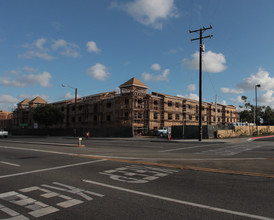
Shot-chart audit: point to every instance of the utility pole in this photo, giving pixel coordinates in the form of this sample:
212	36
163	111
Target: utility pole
201	31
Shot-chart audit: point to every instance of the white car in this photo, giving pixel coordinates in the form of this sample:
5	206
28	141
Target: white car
3	133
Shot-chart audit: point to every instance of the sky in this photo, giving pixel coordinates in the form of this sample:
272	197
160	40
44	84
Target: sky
97	45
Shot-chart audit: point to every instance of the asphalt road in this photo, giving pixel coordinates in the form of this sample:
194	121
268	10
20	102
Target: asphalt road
51	178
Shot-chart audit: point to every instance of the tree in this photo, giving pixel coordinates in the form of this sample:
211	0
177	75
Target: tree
48	115
247	115
268	116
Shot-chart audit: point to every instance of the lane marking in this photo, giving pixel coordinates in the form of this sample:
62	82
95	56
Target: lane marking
131	160
11	164
184	148
230	151
49	169
212	208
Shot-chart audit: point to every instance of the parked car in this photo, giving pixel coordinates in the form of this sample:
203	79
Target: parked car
163	132
3	133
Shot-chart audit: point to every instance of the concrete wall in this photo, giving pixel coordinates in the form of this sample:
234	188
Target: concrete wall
245	131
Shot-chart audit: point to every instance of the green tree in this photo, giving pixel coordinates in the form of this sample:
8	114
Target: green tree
48	115
268	116
247	115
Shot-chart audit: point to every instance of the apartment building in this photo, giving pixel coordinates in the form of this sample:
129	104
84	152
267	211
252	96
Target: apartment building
5	119
131	107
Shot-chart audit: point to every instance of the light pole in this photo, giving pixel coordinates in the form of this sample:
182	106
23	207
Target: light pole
75	105
256	113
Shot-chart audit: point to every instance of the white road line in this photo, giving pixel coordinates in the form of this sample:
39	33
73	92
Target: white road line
184	148
49	169
37	150
11	164
180	201
133	158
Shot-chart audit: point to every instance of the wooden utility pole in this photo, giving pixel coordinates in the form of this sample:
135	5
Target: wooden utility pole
201	31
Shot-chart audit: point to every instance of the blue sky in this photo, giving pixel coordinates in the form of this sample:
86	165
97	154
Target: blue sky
96	45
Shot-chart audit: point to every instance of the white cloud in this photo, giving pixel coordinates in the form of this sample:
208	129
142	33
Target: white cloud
155	67
189	96
212	62
192	96
92	47
37	49
151	13
43	79
238	99
66	48
8	99
98	71
267	98
232	91
68	95
191	87
29	69
161	77
32	54
224	102
40	43
8	102
262	77
12	72
13	83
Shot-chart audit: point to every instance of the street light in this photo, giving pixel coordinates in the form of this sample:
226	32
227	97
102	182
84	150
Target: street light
75	104
256	115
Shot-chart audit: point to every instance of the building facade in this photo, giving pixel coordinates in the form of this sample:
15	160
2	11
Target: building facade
131	107
5	120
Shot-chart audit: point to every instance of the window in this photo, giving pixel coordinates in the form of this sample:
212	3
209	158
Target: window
155	103
94	118
155	116
169	116
108	117
126	115
177	104
80	119
177	117
62	109
126	101
169	103
140	115
190	117
80	107
190	106
196	118
140	101
108	104
95	108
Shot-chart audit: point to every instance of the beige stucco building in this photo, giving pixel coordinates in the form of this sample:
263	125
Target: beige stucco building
131	107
